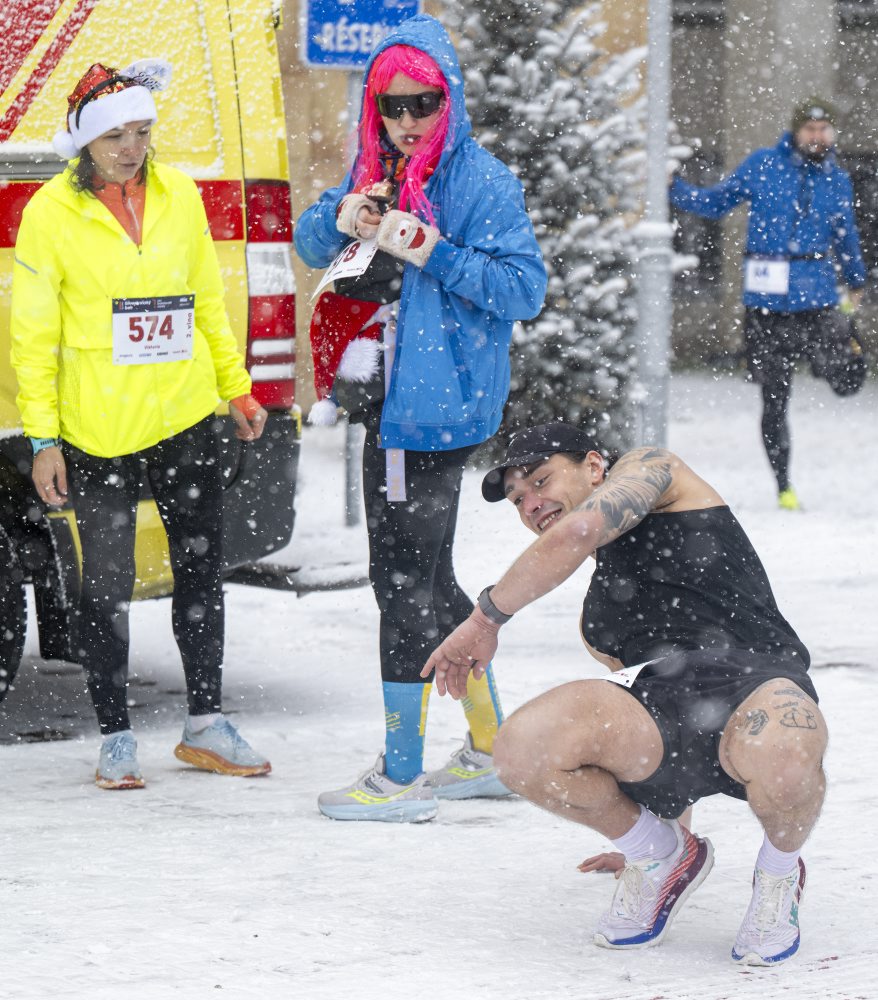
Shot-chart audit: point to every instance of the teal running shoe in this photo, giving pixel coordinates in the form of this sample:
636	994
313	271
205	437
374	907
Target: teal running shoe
220	748
117	766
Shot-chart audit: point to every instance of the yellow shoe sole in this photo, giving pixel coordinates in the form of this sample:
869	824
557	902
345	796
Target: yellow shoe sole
207	760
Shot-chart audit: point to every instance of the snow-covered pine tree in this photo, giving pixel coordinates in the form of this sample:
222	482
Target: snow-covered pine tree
567	120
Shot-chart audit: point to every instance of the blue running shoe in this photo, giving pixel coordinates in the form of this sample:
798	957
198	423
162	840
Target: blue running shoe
220	748
651	892
373	796
117	767
469	774
769	934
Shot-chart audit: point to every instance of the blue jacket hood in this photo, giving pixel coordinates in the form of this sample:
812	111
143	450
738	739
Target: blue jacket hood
427	34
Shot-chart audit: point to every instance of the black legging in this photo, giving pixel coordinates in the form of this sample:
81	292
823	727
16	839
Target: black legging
184	475
774	342
410	554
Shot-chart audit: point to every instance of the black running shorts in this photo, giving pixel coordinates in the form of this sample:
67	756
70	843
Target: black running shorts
692	695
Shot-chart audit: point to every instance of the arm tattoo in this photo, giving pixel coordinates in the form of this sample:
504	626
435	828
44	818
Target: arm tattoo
633	488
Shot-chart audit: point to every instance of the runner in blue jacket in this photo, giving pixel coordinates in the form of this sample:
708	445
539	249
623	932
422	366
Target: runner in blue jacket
443	260
801	230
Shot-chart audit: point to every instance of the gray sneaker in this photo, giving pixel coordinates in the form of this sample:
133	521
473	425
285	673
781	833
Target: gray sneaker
117	766
373	796
220	748
469	774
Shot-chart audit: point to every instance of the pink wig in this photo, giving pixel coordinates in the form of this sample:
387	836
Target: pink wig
416	65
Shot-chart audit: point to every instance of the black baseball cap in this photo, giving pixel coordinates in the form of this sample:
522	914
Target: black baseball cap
532	445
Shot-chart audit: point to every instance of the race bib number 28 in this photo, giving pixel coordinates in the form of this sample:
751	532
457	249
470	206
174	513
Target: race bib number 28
151	331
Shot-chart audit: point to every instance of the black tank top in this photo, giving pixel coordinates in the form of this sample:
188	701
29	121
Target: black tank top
689	580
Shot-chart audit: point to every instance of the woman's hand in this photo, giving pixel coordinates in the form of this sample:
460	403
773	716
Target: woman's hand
50	476
358	217
249	418
471	646
368	221
407	237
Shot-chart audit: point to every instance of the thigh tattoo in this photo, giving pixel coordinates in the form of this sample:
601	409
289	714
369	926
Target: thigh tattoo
796	713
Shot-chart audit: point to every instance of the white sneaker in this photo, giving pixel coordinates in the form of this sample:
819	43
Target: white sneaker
651	892
373	796
469	774
770	931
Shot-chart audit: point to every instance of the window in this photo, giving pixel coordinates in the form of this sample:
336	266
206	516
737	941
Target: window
698	11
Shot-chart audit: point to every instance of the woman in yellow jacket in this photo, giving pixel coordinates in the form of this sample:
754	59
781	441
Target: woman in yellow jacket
123	349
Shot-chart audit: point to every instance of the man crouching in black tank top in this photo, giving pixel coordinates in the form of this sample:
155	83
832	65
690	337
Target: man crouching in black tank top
709	690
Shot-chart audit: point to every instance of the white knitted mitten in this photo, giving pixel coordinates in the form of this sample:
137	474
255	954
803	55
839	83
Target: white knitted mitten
407	237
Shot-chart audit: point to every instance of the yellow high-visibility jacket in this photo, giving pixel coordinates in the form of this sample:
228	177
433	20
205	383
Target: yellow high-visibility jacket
72	258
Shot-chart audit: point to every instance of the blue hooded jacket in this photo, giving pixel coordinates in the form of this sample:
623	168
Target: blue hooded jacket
800	211
450	377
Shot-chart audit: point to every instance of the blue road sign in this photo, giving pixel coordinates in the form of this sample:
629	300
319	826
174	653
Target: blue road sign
340	34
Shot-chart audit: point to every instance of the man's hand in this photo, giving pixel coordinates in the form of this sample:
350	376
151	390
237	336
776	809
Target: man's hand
854	298
471	646
50	476
612	861
249	418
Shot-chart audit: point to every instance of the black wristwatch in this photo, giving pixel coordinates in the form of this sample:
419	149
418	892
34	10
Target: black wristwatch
490	610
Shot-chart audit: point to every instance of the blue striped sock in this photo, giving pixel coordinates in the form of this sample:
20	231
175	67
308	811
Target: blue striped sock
405	717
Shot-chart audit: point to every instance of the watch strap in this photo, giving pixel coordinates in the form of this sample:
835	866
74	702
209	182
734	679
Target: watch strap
39	443
490	610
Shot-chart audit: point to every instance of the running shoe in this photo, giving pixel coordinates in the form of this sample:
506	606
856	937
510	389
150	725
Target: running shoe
117	766
373	796
220	748
469	774
787	499
769	934
650	893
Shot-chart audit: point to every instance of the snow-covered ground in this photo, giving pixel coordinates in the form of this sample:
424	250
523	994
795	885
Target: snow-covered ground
202	886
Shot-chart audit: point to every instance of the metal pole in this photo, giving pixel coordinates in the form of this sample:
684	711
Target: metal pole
352	440
654	239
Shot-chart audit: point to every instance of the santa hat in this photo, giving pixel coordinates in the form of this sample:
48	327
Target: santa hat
345	342
106	98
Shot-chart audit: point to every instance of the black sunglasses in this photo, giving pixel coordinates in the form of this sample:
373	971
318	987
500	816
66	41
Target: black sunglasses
417	105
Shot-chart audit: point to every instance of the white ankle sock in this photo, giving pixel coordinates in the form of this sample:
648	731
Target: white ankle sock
775	862
650	837
117	733
199	722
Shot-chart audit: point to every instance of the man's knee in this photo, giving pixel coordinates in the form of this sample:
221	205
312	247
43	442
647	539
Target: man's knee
519	748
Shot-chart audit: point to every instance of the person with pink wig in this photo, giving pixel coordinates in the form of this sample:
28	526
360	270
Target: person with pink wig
435	259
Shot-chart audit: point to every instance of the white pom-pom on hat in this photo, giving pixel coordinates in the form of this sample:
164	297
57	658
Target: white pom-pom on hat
64	145
361	360
324	413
